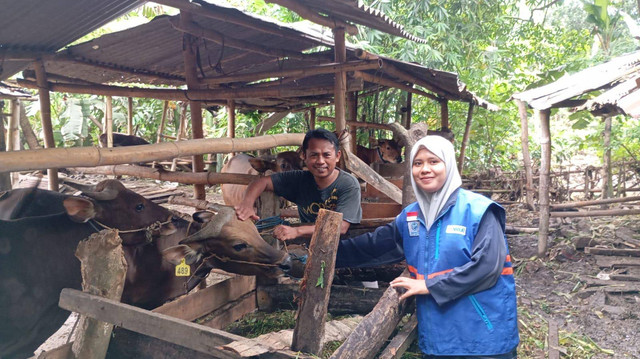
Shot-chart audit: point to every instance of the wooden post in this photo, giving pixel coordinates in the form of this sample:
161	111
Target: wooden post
108	120
340	89
182	124
375	328
316	284
45	116
130	116
545	179
13	138
103	273
163	119
444	114
465	138
231	122
27	131
526	156
353	116
607	189
5	177
191	75
312	118
407	118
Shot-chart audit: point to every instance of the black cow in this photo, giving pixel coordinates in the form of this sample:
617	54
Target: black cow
38	242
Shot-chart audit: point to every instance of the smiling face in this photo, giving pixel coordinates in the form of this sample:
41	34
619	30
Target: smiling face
429	172
321	159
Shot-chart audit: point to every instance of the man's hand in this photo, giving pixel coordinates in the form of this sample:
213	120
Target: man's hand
245	211
413	286
285	233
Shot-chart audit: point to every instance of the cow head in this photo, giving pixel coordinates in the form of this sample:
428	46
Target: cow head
232	245
284	161
111	205
389	151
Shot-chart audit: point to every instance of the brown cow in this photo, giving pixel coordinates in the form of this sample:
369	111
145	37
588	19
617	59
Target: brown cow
387	151
38	241
246	164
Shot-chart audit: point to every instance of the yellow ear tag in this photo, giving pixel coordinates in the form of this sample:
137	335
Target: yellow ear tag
182	269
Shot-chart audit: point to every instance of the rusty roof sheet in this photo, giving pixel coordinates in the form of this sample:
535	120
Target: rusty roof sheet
355	11
46	26
623	98
599	77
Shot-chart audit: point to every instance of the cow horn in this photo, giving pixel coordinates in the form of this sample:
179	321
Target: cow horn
213	228
79	186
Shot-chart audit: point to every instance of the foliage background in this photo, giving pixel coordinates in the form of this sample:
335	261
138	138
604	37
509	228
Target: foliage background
498	48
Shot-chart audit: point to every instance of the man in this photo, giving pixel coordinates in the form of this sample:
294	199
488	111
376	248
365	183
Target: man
321	186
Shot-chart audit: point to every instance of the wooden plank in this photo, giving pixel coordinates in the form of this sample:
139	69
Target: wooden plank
401	342
177	331
316	284
613	251
616	262
362	170
553	340
232	311
203	302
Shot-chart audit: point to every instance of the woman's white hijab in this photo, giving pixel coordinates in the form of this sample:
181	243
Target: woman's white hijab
432	203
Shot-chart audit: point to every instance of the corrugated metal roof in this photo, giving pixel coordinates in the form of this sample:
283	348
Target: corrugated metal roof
624	98
11	92
47	26
152	54
355	11
603	76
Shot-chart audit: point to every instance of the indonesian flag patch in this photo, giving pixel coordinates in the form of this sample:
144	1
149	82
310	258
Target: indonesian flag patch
412	216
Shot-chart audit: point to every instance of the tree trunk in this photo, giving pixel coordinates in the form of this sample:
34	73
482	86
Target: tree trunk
27	131
103	273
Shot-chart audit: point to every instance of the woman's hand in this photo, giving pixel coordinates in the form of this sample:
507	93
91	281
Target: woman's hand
413	286
285	233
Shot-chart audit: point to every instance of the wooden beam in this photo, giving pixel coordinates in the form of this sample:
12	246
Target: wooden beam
545	181
444	114
231	120
165	108
316	285
177	331
94	156
352	112
391	83
403	76
266	124
189	52
130	116
340	89
380	126
299	72
313	16
197	31
205	178
45	118
362	170
197	95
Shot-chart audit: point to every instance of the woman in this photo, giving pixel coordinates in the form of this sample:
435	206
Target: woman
457	256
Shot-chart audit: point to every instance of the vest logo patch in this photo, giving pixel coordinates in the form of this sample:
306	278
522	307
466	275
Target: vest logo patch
456	229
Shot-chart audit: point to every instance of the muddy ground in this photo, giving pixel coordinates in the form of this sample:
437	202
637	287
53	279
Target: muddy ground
591	323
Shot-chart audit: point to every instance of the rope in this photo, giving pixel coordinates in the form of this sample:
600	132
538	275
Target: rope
148	230
270	222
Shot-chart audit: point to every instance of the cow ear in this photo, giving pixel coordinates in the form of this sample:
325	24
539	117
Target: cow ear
261	165
203	216
175	254
168	229
79	209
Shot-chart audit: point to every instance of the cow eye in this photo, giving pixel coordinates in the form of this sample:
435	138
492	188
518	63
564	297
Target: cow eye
239	247
139	207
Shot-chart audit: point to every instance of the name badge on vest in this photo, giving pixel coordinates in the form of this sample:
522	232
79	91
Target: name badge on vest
413	224
456	229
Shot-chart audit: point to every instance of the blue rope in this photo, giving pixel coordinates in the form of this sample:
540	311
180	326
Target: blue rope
269	222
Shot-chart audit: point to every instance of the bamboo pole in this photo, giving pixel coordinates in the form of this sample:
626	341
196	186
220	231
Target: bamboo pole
13	134
108	120
165	108
311	15
526	156
130	116
94	156
352	107
594	202
543	192
299	72
45	117
465	137
340	91
204	178
191	75
444	114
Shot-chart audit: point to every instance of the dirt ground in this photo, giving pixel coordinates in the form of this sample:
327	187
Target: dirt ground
591	323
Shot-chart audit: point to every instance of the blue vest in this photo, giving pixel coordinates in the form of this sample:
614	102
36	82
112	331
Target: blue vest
483	323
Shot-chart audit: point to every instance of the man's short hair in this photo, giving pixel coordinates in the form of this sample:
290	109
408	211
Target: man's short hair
320	134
